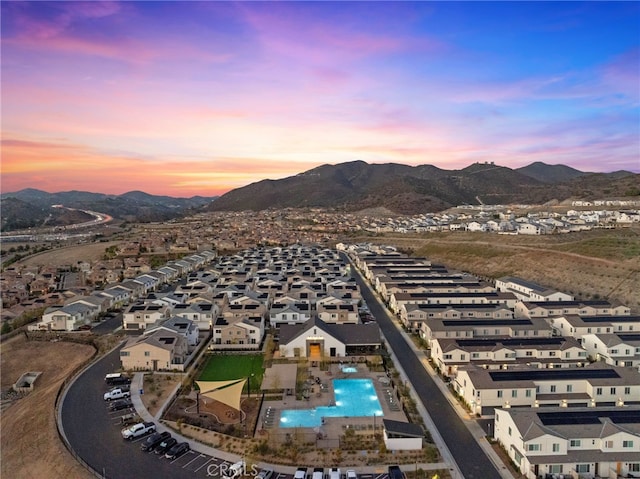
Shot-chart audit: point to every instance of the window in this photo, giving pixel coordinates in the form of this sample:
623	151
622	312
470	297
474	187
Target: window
627	443
509	430
555	447
463	357
608	444
634	467
582	468
575	443
475	355
499	393
529	353
553	388
627	390
598	391
533	447
447	356
527	393
613	390
514	393
555	469
569	388
147	353
124	353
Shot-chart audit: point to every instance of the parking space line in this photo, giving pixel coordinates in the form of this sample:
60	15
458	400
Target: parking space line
195	458
210	460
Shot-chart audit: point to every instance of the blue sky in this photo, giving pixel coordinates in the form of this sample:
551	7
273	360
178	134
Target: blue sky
187	98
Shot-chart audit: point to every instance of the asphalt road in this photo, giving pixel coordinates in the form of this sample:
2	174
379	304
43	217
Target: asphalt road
471	459
94	433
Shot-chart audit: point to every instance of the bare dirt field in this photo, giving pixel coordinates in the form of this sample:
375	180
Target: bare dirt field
590	265
30	444
69	254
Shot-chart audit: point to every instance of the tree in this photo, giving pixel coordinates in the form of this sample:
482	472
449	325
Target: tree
6	327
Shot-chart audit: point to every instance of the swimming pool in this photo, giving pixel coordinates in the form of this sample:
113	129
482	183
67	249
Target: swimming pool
353	398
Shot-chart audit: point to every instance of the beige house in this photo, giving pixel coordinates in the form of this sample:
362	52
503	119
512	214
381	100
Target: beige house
159	351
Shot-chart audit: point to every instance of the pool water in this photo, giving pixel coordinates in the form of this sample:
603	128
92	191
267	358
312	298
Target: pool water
353	398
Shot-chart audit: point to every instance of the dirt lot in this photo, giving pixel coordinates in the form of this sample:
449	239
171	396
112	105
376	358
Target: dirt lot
30	444
599	264
69	255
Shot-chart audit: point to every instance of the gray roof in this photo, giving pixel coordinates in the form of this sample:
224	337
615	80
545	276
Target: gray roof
348	334
399	428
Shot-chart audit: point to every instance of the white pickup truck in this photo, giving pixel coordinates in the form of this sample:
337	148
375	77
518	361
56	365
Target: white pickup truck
138	430
117	393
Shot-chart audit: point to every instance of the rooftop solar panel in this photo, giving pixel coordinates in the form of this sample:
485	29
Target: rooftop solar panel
610	319
552	374
592	416
629	337
511	342
486	322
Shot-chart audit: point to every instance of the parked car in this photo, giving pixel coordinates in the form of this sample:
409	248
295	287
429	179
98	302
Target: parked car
301	473
117	379
120	404
395	472
177	450
117	393
334	473
154	440
138	430
165	445
318	473
129	419
265	474
234	471
351	474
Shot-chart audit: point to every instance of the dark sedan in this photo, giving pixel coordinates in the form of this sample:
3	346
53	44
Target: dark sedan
154	441
177	450
165	445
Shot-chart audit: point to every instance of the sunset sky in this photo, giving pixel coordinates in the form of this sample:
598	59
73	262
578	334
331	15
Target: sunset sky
197	98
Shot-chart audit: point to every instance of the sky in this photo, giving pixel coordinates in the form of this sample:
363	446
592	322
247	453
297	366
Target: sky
187	98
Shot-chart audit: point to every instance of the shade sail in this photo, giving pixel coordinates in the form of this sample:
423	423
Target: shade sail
227	392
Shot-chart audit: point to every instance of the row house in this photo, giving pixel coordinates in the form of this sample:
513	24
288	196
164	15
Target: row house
289	313
180	325
160	350
140	316
397	300
616	349
577	326
71	317
596	384
462	286
436	328
530	291
237	334
201	314
575	443
383	283
546	309
413	316
448	354
338	313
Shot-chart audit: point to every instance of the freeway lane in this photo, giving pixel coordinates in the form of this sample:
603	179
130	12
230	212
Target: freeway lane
471	459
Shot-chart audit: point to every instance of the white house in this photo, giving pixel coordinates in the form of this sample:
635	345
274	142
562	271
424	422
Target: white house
402	436
140	316
572	443
616	349
596	384
182	326
316	340
530	291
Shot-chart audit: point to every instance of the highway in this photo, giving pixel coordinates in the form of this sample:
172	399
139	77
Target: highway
469	456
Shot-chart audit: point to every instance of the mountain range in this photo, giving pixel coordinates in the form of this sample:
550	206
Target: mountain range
350	186
33	208
406	189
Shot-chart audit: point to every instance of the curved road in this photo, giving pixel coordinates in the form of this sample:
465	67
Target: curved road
469	456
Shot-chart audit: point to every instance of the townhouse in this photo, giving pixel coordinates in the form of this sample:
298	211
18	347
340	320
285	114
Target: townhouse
547	309
530	291
596	384
160	350
415	316
139	316
501	353
619	349
577	326
574	443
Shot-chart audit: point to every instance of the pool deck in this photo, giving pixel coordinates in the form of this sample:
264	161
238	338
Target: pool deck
333	427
